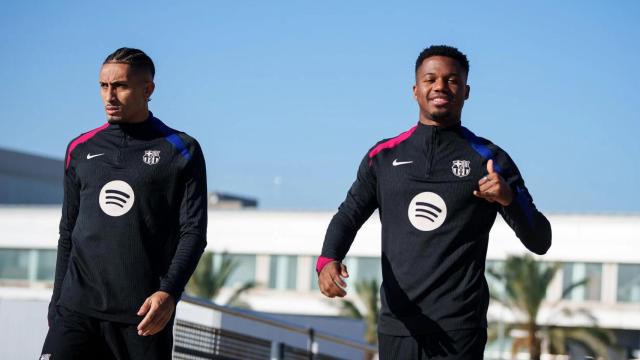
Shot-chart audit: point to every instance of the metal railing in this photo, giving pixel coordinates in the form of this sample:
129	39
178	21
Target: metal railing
196	341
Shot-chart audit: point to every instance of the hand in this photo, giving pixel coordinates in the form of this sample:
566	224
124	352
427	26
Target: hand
493	187
158	309
330	279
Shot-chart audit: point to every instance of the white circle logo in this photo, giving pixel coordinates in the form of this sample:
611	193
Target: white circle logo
116	198
427	211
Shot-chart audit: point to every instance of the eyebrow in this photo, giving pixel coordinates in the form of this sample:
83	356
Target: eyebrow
447	75
118	82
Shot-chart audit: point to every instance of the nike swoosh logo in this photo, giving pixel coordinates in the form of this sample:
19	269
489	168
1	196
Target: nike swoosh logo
396	162
89	156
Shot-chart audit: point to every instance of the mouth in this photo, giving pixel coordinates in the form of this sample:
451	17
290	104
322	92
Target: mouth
439	100
112	109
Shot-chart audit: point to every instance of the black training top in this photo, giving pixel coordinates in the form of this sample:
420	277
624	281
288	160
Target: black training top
435	232
134	218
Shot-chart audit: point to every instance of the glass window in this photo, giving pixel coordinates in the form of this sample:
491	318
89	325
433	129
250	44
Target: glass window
46	265
576	272
282	272
367	269
628	283
14	264
245	270
314	277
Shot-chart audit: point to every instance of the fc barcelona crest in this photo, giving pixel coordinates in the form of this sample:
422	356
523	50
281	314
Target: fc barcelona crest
151	157
461	168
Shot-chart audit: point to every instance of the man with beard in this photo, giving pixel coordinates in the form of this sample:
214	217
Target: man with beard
133	225
438	188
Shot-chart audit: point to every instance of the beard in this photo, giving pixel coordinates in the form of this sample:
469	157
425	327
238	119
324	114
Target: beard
442	115
114	119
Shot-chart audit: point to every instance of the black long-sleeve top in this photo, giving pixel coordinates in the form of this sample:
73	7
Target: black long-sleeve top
435	232
134	218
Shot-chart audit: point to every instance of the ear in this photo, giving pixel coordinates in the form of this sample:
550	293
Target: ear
467	92
148	88
415	97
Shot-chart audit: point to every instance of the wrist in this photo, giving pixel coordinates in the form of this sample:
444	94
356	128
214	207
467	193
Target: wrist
322	262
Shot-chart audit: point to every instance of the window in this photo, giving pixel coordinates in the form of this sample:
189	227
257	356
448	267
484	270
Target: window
367	269
314	277
46	265
245	270
628	283
360	269
14	264
282	272
575	272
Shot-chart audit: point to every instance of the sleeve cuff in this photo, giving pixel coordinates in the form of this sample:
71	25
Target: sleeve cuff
322	262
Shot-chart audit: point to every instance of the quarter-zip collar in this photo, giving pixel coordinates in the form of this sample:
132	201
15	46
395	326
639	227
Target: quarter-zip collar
142	130
428	137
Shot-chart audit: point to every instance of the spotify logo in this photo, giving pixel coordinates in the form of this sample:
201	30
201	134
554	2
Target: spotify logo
116	198
427	211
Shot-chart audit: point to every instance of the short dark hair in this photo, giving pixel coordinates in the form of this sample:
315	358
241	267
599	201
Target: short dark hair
443	50
133	57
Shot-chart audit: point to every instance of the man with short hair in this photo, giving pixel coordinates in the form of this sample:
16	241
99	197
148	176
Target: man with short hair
133	225
438	188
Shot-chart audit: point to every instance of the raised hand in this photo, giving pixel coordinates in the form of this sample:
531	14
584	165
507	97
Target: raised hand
493	187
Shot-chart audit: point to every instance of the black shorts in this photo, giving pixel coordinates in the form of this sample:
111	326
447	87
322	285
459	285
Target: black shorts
449	345
77	336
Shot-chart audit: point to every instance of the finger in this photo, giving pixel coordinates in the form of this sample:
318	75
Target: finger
158	324
490	169
144	324
154	324
486	185
145	307
495	183
336	290
343	271
338	281
480	195
484	195
491	190
331	289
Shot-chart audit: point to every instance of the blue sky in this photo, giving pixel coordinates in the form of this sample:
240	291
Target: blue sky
286	97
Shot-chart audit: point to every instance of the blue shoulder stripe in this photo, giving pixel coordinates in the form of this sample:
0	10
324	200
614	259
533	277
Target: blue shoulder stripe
171	136
487	154
480	148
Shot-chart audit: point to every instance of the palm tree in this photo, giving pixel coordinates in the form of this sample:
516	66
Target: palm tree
207	280
526	282
367	292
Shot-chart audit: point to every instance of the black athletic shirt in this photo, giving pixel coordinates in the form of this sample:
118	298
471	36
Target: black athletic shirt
134	218
435	232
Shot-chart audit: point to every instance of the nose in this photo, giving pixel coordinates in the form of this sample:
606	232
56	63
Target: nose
440	84
111	93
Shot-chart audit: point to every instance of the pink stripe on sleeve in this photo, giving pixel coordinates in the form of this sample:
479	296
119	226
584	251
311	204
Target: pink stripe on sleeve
322	262
83	138
391	143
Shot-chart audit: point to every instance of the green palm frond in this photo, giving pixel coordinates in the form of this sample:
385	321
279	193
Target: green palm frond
526	282
208	279
367	292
